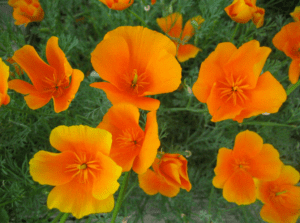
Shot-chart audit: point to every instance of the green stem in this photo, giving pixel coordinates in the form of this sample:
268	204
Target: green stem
55	220
183	109
139	18
64	218
235	30
268	124
120	197
292	88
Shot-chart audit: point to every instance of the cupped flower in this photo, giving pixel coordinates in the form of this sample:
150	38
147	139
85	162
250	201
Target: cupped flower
117	4
26	11
237	168
84	176
131	147
136	62
48	81
296	14
230	83
288	41
241	11
4	74
172	26
169	174
281	197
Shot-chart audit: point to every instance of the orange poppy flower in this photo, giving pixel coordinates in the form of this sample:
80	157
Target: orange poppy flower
169	175
242	11
4	73
136	62
131	147
84	176
280	197
153	2
296	14
230	83
288	41
49	81
172	25
236	168
26	11
117	4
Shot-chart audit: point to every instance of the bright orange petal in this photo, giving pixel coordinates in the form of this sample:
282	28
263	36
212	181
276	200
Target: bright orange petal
211	70
115	96
62	102
4	74
188	30
171	24
186	52
240	188
122	4
278	214
153	2
81	139
57	59
267	96
296	14
106	182
266	165
294	71
51	168
239	11
247	144
21	86
150	145
35	101
77	198
224	168
291	199
33	65
288	175
168	190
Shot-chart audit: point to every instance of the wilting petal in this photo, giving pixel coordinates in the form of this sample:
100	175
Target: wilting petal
248	144
171	24
294	71
77	198
81	139
266	165
188	30
33	65
150	145
224	168
258	17
240	188
51	168
57	59
115	96
211	70
108	173
239	11
186	52
62	102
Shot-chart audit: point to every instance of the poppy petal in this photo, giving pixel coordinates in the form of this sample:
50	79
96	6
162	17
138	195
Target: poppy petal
291	199
122	4
288	175
247	144
51	168
188	30
77	198
258	17
266	165
186	52
26	57
278	213
115	96
171	24
85	138
62	102
240	188
150	145
224	168
294	71
149	182
296	14
21	86
35	101
239	11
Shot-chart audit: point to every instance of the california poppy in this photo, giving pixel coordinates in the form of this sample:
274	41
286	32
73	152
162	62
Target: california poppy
4	74
237	168
296	14
153	2
136	62
117	4
26	11
288	41
242	11
84	176
230	83
172	25
168	176
131	147
49	81
281	197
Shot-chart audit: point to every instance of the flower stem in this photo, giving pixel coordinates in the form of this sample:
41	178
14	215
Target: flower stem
64	218
55	220
292	88
121	196
139	18
233	35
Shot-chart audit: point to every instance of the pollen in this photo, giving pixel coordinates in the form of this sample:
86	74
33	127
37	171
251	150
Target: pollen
136	81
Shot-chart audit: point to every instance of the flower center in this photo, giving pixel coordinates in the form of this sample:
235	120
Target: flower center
83	168
241	165
131	138
234	89
136	82
55	86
